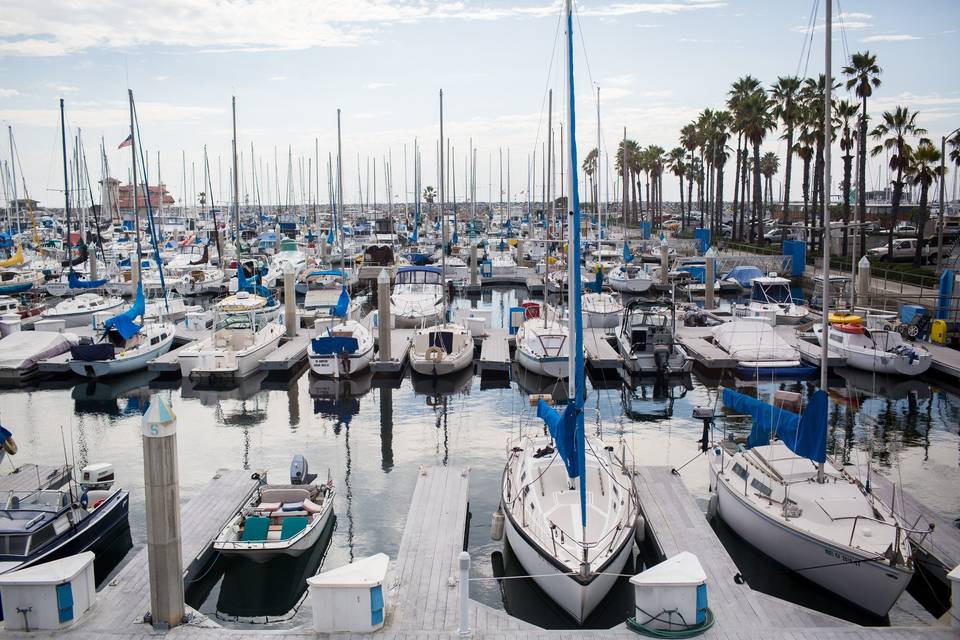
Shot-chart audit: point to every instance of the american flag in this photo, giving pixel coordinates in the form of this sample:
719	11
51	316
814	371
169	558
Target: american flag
127	142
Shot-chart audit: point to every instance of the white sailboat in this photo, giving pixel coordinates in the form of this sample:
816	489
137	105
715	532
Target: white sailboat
569	506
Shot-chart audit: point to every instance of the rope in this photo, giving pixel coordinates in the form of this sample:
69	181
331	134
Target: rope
689	631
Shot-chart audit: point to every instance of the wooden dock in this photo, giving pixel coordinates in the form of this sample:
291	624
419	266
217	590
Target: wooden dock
495	354
169	362
30	477
56	364
287	356
400	340
945	359
705	353
122	603
599	353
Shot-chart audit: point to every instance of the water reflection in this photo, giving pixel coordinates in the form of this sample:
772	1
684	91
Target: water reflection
103	396
653	399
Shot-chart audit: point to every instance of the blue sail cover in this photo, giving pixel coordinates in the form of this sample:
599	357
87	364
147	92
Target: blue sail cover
805	435
123	323
331	345
343	303
76	283
563	430
597	285
627	254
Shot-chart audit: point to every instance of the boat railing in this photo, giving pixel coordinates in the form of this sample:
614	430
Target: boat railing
900	529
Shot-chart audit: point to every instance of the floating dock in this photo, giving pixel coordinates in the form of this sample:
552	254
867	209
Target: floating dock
494	354
599	353
696	340
400	341
287	356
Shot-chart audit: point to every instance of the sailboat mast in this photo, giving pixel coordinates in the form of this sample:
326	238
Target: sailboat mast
443	222
66	183
340	188
236	179
135	264
546	275
827	131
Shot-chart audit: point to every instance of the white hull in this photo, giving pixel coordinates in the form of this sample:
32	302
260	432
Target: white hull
644	363
332	366
104	368
602	319
212	363
450	363
630	285
550	367
871	585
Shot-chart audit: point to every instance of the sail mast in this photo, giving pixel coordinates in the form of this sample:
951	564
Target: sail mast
443	222
236	179
827	131
66	183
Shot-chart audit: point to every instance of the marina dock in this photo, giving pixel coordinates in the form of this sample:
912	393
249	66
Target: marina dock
400	340
494	353
600	354
706	354
287	356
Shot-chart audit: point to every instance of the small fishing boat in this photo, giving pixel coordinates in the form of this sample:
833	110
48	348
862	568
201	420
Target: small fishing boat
875	346
124	347
282	519
759	350
79	310
647	342
771	295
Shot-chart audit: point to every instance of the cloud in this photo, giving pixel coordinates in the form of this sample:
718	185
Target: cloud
277	78
891	37
847	21
620	80
62	88
106	114
62	27
373	86
161	78
8	93
914	100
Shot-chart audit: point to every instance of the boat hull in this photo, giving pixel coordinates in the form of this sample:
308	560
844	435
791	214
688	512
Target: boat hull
550	367
873	586
451	363
333	366
267	551
105	368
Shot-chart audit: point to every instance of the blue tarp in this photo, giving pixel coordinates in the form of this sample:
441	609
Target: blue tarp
563	430
797	250
329	345
597	285
123	323
76	283
945	297
698	273
627	254
343	303
243	284
805	435
744	275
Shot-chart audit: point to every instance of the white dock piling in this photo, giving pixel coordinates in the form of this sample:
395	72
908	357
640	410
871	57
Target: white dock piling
463	587
708	280
162	493
664	262
474	272
383	310
863	278
92	263
289	303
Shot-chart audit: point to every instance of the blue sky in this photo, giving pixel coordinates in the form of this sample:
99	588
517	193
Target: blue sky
291	64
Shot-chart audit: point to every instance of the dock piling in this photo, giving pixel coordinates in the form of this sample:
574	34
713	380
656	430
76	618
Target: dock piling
708	279
463	586
664	262
383	318
289	303
162	496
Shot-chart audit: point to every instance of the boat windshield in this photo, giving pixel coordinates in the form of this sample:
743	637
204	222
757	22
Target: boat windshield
775	292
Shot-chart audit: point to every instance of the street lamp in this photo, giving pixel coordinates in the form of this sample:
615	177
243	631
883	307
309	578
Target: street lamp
943	170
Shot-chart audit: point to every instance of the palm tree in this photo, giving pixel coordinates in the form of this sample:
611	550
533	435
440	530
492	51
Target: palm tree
694	176
863	75
892	133
769	166
631	150
923	170
688	140
844	115
785	109
704	133
742	88
954	156
589	166
756	121
677	166
655	158
812	92
804	148
720	134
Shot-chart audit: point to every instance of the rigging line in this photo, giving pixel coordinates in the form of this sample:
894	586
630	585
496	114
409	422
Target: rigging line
806	35
546	88
843	32
812	31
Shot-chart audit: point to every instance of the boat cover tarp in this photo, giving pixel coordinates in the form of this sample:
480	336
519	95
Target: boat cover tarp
123	323
244	284
343	304
93	352
627	254
23	349
805	435
749	340
563	429
744	275
329	345
14	260
76	283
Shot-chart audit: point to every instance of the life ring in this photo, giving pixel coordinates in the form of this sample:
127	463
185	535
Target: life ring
531	310
10	446
849	328
434	354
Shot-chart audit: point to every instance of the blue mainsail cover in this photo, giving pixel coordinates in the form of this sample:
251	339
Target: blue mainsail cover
76	283
597	285
343	303
805	435
627	254
123	323
329	345
563	430
244	284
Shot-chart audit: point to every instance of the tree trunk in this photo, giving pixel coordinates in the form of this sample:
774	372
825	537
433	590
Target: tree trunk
633	189
921	223
682	225
736	185
788	167
897	194
744	179
862	177
756	190
719	207
847	171
689	199
817	212
806	200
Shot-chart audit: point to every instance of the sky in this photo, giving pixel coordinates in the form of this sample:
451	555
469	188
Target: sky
292	64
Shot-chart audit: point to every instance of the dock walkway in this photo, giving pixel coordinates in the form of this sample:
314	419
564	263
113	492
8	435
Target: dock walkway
287	356
599	353
708	355
494	353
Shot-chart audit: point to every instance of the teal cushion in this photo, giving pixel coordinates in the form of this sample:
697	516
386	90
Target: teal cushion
255	529
292	525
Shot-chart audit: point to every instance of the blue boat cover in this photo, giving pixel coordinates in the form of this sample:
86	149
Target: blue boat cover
76	283
805	435
343	303
329	345
744	275
945	296
697	273
597	285
123	323
563	430
627	254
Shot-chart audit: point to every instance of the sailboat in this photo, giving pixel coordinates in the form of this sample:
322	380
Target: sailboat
784	496
125	346
569	508
444	348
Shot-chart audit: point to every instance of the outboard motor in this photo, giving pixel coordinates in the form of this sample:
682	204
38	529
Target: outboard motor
299	471
97	477
661	357
707	415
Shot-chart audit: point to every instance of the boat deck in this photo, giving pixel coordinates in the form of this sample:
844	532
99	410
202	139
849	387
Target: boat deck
168	362
29	476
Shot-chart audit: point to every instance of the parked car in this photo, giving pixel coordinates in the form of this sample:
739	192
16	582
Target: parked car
905	230
905	249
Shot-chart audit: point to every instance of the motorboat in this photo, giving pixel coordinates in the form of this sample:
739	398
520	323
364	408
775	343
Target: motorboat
323	289
341	351
629	278
290	257
788	500
285	519
243	334
441	349
647	342
79	310
771	296
13	282
602	310
22	351
124	346
200	279
758	349
875	346
502	262
49	524
543	346
417	298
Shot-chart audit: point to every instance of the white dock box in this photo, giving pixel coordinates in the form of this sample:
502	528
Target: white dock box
677	584
48	596
350	598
